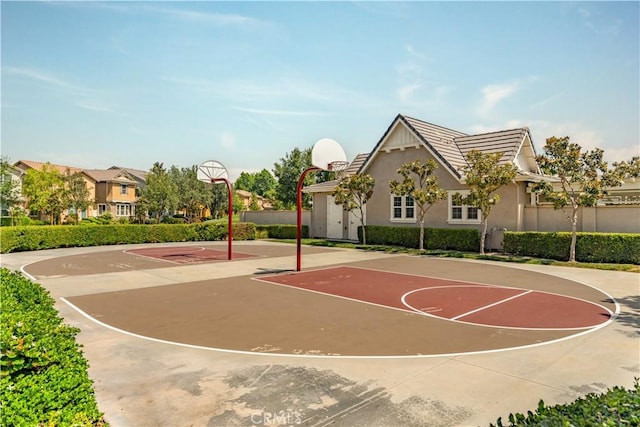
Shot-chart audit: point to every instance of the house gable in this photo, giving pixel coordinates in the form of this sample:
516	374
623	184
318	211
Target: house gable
406	132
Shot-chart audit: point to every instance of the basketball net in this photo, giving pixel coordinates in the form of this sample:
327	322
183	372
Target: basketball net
339	167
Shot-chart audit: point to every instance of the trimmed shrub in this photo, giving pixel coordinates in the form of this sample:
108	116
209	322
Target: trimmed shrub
616	407
32	238
617	248
43	373
461	239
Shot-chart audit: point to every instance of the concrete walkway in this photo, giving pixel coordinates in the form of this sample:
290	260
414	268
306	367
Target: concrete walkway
140	382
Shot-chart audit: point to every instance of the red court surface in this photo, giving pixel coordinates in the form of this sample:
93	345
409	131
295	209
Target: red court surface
188	254
468	302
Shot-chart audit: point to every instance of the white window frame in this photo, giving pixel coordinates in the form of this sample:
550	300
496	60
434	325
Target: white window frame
124	209
465	209
124	189
102	208
403	209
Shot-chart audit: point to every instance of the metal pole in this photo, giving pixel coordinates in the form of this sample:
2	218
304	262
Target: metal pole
230	213
299	230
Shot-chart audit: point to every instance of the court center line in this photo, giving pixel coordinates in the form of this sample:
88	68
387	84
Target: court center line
491	305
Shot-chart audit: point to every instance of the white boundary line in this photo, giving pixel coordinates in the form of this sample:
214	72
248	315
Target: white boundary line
492	305
316	356
416	356
463	284
612	315
264	280
127	251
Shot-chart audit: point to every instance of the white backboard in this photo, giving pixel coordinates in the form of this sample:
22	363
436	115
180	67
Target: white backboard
210	170
325	152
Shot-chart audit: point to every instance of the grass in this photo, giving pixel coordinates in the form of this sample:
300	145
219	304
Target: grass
633	268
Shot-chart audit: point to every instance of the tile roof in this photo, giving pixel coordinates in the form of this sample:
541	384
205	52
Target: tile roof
451	146
39	165
440	140
135	172
356	164
506	142
115	175
328	186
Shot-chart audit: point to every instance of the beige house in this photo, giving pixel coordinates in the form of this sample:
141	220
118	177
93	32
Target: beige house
24	165
408	139
111	190
115	191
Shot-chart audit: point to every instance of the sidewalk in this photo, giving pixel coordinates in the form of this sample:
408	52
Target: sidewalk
139	382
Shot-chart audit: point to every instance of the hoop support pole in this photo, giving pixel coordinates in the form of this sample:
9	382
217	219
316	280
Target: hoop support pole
299	206
229	214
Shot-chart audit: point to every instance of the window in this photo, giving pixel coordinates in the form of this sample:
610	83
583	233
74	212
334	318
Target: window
402	209
102	208
462	214
124	189
123	209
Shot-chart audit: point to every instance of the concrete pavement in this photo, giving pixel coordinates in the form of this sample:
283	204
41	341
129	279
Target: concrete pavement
140	382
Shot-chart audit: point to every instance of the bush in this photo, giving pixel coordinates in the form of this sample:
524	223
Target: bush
616	407
618	248
16	239
280	231
43	374
461	239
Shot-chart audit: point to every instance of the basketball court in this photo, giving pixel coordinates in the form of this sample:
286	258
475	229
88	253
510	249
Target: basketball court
397	306
177	334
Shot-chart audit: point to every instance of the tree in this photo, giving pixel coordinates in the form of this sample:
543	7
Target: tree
422	186
77	195
160	196
629	169
246	181
352	193
264	183
9	188
287	173
261	183
484	175
45	191
583	178
192	194
253	202
218	203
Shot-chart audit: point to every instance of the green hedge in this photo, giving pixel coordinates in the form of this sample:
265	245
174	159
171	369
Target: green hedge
616	407
460	239
617	248
43	373
32	238
280	231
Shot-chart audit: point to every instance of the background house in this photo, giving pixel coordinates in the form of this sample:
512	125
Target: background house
111	190
408	139
115	191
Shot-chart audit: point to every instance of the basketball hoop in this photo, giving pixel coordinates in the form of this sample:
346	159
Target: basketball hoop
213	172
339	167
327	155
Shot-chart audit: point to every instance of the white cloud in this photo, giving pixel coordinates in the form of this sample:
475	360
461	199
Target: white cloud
406	92
411	51
218	19
494	93
228	141
43	77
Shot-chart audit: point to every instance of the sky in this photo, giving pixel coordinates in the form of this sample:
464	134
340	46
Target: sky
98	84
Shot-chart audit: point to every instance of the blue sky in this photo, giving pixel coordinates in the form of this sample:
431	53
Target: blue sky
96	84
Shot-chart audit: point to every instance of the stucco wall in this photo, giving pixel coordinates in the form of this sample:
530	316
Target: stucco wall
275	217
604	219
